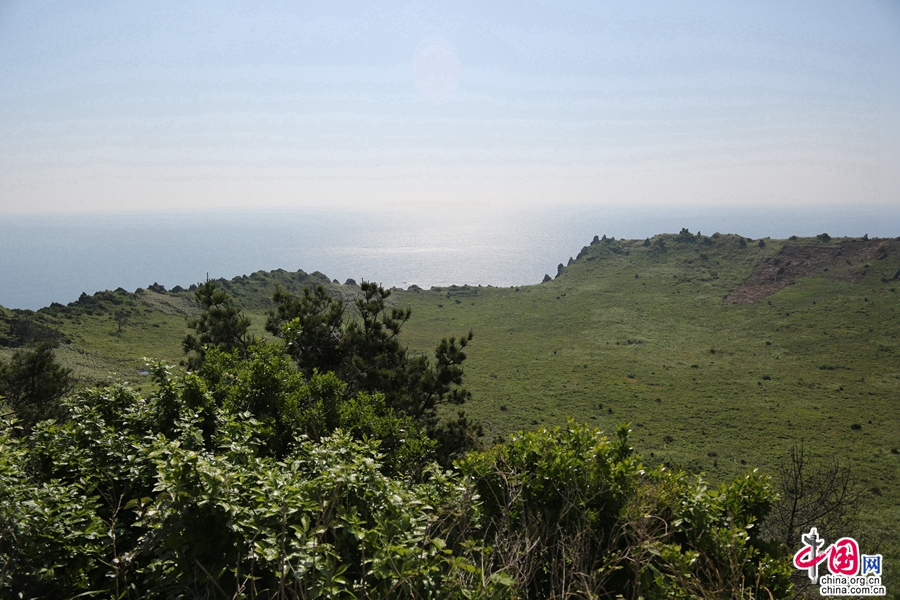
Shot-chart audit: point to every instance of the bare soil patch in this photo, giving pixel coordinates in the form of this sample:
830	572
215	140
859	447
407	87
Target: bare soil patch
847	261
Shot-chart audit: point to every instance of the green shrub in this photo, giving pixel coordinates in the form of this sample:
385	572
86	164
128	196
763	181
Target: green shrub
113	506
249	480
569	509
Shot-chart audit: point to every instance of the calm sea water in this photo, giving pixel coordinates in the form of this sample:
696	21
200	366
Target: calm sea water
46	259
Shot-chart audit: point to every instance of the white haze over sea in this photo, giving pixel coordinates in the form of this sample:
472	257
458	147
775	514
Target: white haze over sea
54	258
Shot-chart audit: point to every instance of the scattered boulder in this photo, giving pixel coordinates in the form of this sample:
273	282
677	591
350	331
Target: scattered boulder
546	278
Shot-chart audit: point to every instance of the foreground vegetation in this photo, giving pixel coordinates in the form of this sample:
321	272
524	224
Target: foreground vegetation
249	480
631	331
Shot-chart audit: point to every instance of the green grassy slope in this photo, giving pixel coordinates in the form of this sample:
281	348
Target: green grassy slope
627	333
633	334
648	335
154	322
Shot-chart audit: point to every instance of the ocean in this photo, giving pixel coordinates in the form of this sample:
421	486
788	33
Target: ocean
55	258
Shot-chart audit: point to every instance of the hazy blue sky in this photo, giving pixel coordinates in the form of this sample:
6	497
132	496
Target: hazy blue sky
116	106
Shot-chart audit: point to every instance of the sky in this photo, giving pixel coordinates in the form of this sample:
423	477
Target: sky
110	107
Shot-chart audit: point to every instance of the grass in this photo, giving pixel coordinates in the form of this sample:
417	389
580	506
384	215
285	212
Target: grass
628	333
655	350
712	386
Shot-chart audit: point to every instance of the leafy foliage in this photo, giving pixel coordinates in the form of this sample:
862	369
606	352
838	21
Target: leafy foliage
112	506
249	479
142	497
570	513
375	387
264	384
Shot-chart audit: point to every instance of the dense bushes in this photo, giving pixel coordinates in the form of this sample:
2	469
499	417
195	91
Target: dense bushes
111	509
260	475
197	491
569	513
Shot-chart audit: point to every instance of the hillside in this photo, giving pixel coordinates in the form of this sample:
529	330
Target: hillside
720	351
650	335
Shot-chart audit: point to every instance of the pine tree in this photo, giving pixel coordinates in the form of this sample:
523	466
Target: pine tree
311	327
367	354
220	324
32	384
